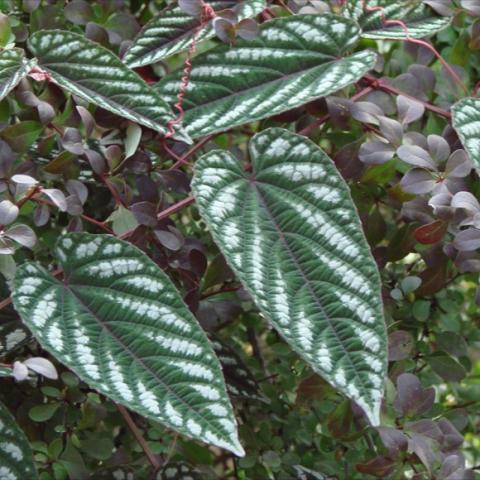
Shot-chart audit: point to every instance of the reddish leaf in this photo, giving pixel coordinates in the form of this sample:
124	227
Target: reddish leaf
431	233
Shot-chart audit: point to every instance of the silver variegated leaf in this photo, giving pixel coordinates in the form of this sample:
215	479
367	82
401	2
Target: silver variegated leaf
292	235
172	31
419	19
178	471
13	67
95	74
292	61
16	458
239	379
118	322
13	335
466	121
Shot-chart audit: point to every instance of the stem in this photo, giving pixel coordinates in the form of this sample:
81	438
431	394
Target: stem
181	161
377	83
139	437
310	128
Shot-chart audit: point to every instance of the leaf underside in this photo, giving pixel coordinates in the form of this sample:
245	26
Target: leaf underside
291	233
466	121
294	60
419	19
95	74
172	30
16	458
13	67
119	323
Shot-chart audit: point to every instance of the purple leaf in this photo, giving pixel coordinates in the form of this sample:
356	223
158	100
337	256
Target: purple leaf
365	112
412	398
467	201
394	440
438	148
391	130
467	240
57	197
418	181
145	213
42	366
23	235
376	152
8	212
416	156
458	165
409	110
191	7
400	345
247	29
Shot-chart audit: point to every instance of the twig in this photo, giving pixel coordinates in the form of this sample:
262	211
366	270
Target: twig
377	83
139	437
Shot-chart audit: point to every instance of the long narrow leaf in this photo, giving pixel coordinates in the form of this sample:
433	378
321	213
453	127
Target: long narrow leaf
294	60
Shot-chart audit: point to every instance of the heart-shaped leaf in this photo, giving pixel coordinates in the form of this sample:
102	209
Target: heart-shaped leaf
420	21
292	61
95	74
466	121
307	266
119	323
16	459
173	29
13	67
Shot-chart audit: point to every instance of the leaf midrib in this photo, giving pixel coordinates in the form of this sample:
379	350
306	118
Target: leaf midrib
307	283
192	110
67	287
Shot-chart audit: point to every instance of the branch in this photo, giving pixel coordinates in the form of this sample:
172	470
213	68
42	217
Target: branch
378	83
139	437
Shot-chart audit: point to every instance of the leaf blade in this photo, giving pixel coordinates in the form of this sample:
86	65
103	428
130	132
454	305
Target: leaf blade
292	238
172	30
419	20
466	122
292	61
16	458
13	67
95	74
131	336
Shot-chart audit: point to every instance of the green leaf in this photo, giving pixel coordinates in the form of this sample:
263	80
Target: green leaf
95	74
13	67
42	413
117	321
16	459
293	60
291	233
466	121
419	19
22	135
172	30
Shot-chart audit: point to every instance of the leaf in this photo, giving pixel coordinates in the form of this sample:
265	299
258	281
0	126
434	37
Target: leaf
13	67
294	60
466	121
16	459
446	367
95	74
419	20
12	336
172	30
21	136
178	471
117	321
412	399
239	379
292	235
